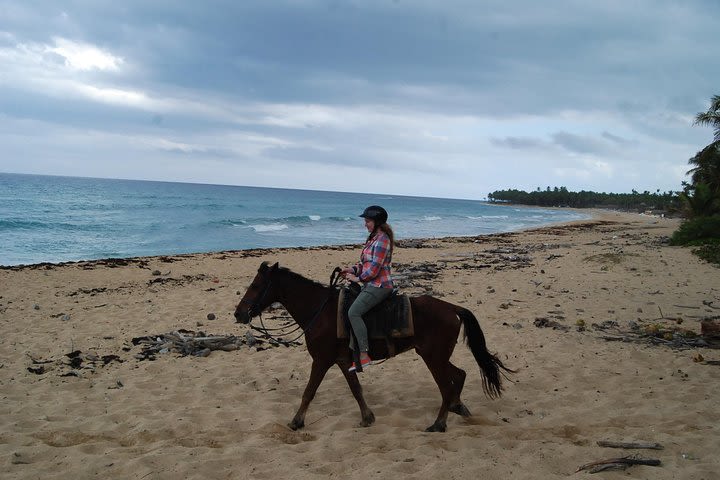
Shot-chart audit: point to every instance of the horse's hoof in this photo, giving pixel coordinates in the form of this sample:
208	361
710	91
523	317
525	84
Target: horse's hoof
368	420
296	425
461	410
436	427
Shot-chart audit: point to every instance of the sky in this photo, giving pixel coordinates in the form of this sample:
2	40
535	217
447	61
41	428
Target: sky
452	98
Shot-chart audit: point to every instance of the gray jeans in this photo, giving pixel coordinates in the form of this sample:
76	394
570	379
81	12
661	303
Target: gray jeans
368	298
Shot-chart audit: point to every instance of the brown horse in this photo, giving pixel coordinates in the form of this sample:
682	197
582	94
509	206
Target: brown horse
437	325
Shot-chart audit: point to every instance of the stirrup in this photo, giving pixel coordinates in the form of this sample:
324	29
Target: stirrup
365	363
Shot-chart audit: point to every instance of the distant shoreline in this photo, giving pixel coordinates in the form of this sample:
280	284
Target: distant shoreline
49	219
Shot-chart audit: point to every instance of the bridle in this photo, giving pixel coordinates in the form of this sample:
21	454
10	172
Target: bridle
255	306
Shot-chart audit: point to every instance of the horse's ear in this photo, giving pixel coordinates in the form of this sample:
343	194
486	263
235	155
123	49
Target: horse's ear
263	266
275	267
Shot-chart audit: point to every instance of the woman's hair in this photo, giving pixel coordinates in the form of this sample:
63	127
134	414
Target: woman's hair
387	229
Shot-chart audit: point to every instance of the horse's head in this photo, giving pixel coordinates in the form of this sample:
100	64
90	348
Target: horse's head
258	296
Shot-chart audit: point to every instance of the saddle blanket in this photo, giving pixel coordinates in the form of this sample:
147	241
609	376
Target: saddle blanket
391	318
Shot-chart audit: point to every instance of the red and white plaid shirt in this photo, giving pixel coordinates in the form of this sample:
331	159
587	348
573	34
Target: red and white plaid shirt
375	260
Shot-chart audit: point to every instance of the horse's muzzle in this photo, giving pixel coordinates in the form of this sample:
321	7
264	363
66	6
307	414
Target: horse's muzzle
242	316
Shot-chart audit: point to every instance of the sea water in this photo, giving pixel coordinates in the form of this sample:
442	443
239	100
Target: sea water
57	219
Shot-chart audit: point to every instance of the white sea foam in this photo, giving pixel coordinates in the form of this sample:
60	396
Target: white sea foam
275	227
249	214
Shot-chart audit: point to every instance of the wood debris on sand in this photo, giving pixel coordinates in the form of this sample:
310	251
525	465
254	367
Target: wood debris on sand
671	335
620	463
71	364
200	344
639	445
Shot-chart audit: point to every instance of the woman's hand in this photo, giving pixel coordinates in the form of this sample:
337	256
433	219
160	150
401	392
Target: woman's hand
349	274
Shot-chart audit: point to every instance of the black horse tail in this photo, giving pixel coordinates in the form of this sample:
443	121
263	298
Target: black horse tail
490	365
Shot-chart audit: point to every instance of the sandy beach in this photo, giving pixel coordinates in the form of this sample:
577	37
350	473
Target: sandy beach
554	303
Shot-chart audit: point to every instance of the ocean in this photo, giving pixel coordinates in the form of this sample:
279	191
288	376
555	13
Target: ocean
59	219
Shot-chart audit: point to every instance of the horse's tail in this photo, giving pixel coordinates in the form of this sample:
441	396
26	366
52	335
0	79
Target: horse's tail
490	365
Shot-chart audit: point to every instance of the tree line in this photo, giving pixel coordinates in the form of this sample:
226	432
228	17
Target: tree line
669	202
701	195
698	202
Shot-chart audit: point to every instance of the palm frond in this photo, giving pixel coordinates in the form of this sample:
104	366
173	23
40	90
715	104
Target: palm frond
711	117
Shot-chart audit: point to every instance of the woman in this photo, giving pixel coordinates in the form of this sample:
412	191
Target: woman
373	272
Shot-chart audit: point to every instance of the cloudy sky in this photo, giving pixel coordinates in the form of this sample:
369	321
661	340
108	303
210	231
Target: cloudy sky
452	98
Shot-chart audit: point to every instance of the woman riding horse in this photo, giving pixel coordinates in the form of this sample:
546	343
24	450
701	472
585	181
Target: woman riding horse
374	273
436	327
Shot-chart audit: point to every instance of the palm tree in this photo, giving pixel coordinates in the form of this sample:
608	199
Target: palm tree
702	196
706	167
699	200
711	117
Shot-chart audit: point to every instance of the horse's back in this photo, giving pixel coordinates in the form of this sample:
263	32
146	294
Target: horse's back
430	312
424	302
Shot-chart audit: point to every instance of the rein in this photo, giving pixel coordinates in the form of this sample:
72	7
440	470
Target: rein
266	331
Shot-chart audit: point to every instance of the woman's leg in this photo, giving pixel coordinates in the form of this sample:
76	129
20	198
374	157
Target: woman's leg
367	299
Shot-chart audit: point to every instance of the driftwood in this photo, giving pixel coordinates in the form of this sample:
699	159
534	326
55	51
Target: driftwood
671	335
200	344
709	303
542	322
651	446
617	464
677	342
185	342
710	327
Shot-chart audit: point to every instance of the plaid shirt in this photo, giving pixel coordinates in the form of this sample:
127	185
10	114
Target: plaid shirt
374	266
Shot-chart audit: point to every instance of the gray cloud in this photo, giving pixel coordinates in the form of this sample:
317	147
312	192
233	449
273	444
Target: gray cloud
616	139
423	86
519	143
580	143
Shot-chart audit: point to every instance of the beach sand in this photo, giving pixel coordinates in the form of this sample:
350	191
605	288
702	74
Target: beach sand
225	415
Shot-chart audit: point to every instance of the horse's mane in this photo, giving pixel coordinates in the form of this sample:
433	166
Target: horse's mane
296	276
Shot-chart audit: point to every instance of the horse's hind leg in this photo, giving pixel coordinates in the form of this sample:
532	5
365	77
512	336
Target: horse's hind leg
319	369
457	377
440	372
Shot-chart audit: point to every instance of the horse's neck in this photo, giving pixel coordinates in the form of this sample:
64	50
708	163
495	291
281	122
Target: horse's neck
302	298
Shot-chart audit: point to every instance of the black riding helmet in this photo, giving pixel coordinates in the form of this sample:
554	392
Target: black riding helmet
376	213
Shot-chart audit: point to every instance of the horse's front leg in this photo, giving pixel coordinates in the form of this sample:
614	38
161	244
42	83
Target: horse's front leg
317	373
368	417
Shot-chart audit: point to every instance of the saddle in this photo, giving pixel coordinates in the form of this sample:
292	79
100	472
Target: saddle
391	318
